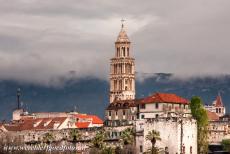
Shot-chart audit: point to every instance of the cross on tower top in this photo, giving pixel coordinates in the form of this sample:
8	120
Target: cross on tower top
122	23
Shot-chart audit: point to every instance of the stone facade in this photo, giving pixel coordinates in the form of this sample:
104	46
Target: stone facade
176	134
217	107
219	129
120	115
122	70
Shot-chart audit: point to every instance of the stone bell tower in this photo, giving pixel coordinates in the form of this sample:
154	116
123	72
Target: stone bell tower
122	70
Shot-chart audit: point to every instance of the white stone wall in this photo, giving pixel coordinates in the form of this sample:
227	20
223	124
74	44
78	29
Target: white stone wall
170	133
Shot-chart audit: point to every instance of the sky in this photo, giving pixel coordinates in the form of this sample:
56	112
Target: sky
47	41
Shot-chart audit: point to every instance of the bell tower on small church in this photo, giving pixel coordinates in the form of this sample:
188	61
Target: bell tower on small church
122	70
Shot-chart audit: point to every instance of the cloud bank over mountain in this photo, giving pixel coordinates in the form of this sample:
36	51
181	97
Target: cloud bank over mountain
43	42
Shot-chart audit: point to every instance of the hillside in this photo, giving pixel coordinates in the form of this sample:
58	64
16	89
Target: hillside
90	95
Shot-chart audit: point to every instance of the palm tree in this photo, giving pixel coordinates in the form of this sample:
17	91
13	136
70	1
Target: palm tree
75	135
153	136
127	136
48	138
98	140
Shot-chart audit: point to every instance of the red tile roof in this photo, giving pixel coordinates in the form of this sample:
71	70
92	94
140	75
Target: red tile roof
212	116
92	118
35	124
218	102
82	124
164	98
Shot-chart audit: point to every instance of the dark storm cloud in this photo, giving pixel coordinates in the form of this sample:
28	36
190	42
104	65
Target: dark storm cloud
41	41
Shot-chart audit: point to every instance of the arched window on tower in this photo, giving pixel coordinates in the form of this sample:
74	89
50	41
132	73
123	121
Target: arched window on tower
130	84
128	51
115	85
123	50
120	84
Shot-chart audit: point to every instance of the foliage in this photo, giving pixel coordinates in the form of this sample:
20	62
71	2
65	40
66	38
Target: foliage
127	136
98	140
153	136
108	150
48	138
200	114
226	144
75	135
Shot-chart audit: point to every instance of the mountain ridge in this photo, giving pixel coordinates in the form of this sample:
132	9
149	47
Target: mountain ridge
90	95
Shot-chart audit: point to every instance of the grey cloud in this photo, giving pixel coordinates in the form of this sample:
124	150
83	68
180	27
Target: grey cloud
41	41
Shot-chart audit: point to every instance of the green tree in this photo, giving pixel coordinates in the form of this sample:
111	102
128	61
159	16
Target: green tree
200	114
75	135
48	138
153	136
226	144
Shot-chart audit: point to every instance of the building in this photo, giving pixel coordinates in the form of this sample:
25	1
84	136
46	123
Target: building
122	70
163	105
170	115
217	106
219	123
119	116
167	113
218	129
32	128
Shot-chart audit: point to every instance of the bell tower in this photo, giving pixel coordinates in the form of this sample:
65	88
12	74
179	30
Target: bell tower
122	70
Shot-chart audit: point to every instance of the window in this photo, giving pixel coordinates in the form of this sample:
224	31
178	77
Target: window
109	113
142	116
216	110
142	106
190	149
156	116
156	105
116	113
123	112
141	148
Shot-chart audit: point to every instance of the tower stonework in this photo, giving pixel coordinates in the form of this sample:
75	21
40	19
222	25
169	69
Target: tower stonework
122	70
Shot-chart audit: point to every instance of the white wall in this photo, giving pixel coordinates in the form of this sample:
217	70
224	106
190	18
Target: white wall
170	133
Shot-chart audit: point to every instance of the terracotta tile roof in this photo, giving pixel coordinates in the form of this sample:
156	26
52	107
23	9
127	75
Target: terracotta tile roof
218	102
212	116
89	118
35	124
164	98
82	124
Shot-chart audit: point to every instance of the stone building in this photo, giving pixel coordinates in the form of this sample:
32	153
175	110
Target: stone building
170	115
160	111
219	128
217	106
31	128
178	135
122	70
119	116
162	105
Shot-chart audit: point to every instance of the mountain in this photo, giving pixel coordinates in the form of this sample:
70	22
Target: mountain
90	95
